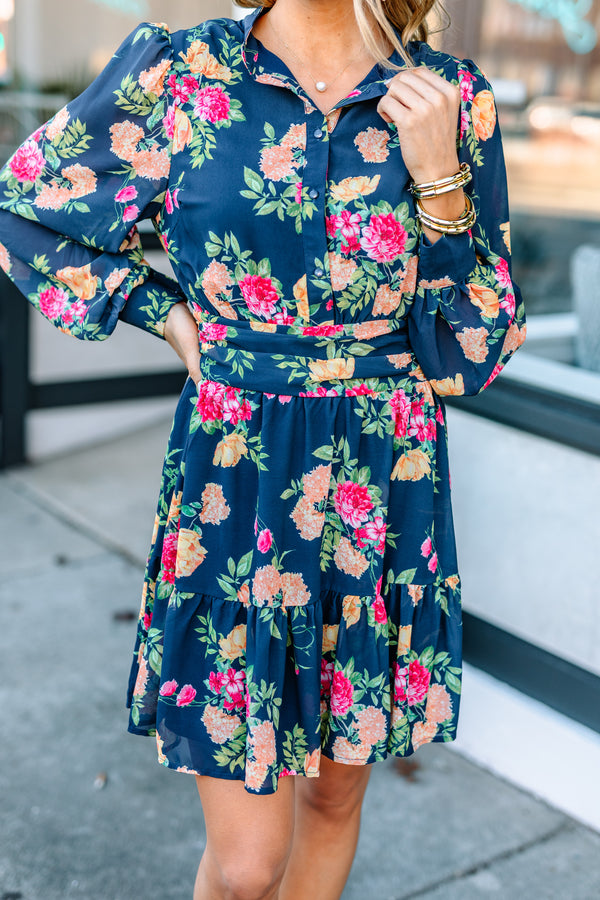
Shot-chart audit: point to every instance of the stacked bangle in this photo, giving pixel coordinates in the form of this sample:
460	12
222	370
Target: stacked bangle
428	189
448	226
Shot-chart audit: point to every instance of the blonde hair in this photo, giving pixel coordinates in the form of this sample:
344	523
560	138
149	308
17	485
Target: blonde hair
377	20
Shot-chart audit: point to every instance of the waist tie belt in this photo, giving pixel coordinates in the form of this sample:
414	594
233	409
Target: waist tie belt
305	360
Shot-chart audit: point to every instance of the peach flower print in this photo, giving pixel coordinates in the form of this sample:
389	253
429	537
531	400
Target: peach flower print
312	762
436	283
332	119
404	638
365	331
142	675
301	298
347	753
483	112
152	80
295	136
190	553
266	584
316	483
438	708
485	299
342	271
411	466
115	279
452	581
54	196
350	189
261	745
214	506
58	124
80	280
277	163
351	609
386	300
4	259
125	137
474	343
327	369
415	592
371	726
201	62
182	131
234	645
514	338
400	360
221	726
372	145
349	560
217	279
505	229
423	733
294	590
307	519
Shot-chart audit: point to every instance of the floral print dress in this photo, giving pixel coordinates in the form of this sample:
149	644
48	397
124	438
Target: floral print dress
302	594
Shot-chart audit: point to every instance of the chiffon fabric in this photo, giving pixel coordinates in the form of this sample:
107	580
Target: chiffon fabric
302	594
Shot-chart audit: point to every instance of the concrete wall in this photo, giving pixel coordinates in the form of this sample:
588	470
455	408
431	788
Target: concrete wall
57	39
528	532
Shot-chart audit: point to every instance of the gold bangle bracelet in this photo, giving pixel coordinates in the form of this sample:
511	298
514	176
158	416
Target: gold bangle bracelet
448	226
428	189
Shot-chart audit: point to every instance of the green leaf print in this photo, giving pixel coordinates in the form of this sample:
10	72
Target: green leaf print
453	682
295	747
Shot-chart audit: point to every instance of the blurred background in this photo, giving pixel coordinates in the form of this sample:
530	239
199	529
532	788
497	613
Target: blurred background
83	426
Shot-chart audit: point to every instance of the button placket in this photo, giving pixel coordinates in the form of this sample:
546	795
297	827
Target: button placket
314	234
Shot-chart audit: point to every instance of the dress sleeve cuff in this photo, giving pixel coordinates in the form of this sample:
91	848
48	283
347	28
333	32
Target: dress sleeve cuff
149	304
451	258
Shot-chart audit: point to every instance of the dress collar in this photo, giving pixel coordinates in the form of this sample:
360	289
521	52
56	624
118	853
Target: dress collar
267	68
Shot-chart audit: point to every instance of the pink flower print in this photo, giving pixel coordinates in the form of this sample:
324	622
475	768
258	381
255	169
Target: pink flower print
260	295
503	275
465	82
171	202
130	213
126	194
211	331
27	163
400	681
186	695
352	502
400	405
430	430
298	197
432	564
508	303
76	312
326	678
53	302
283	318
210	400
418	682
416	425
379	609
169	558
348	225
375	531
168	688
285	398
216	680
322	330
181	92
265	539
234	409
465	121
341	694
256	525
439	415
235	690
147	621
384	238
426	547
169	122
359	390
212	104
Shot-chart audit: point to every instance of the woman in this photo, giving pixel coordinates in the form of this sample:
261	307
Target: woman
331	193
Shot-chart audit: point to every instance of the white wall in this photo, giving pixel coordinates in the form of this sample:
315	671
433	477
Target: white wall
528	532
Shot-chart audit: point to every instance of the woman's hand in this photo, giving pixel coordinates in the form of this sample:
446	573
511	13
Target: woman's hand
181	332
424	108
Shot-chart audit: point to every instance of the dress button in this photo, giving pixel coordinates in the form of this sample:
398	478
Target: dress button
319	272
313	193
318	133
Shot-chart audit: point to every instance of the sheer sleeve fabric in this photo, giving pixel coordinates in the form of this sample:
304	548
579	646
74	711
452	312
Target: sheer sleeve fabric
468	318
71	195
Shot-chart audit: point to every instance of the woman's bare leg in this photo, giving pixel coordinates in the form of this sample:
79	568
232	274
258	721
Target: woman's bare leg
249	838
327	822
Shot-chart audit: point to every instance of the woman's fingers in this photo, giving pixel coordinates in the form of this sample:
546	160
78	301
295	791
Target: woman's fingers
181	332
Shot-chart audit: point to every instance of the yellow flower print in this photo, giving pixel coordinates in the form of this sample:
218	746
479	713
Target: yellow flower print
234	645
330	633
230	450
190	553
449	387
312	762
404	637
411	466
505	229
351	609
327	369
484	115
202	62
80	280
301	298
182	131
350	189
486	299
4	259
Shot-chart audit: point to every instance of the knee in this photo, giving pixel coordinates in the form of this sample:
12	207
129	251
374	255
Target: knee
336	800
254	879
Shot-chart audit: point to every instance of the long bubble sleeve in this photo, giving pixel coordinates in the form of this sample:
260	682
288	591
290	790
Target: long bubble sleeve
468	318
71	195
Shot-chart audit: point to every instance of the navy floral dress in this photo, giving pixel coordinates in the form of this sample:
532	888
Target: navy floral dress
302	593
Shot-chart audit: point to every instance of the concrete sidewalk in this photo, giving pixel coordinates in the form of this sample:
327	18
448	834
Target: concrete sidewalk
86	811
